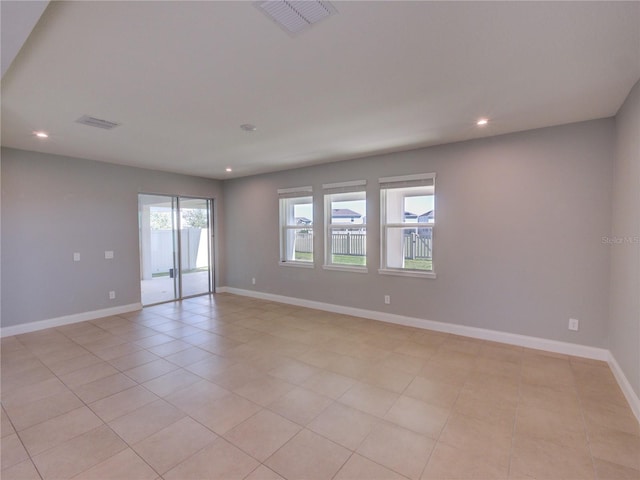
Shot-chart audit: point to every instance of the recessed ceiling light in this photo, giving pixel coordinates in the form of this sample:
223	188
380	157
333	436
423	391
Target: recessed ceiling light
482	121
228	169
41	134
247	127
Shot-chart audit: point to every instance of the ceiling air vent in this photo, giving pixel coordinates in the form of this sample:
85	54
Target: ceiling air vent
295	16
97	122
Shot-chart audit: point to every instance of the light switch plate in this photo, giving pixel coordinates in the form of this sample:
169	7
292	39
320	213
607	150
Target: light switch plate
108	254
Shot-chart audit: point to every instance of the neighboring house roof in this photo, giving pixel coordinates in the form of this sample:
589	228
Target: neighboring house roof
344	213
303	221
426	215
410	215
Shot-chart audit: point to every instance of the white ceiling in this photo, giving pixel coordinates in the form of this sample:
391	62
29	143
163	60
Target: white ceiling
377	77
17	19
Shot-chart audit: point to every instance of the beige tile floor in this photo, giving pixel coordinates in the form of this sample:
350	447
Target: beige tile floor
225	387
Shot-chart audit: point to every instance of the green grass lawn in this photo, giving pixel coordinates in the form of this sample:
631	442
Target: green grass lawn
417	264
337	259
350	260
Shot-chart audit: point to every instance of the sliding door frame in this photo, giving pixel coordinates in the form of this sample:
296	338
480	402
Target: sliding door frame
178	281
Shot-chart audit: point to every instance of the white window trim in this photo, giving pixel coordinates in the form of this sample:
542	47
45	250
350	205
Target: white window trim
411	225
401	272
306	191
410	180
355	186
341	185
285	228
296	264
284	194
346	268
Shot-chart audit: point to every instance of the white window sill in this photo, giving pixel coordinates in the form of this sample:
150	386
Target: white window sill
407	273
344	268
297	264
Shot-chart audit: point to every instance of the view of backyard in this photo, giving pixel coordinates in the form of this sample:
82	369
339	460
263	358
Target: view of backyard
407	226
415	264
174	247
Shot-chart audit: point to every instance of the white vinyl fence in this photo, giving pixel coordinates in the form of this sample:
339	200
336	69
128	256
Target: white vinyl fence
355	244
195	249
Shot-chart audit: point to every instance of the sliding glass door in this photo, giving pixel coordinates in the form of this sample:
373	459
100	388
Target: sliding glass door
157	218
175	247
195	260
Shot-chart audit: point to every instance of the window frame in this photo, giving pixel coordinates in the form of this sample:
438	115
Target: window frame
426	180
330	190
285	195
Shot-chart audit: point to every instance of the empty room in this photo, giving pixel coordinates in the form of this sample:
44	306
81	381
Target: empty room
312	240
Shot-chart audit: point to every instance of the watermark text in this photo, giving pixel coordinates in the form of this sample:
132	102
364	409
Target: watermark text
623	240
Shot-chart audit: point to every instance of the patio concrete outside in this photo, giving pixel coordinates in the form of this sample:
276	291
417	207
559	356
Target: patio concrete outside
161	289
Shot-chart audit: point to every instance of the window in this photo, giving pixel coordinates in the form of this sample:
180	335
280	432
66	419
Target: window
346	225
407	218
296	226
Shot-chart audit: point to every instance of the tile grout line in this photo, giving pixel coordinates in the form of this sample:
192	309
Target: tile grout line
23	446
334	401
584	423
67	388
104	423
515	419
437	441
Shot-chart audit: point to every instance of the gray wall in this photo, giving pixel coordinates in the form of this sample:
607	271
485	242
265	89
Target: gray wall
518	246
624	327
53	206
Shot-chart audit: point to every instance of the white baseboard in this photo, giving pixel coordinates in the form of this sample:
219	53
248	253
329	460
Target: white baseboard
67	319
625	386
473	332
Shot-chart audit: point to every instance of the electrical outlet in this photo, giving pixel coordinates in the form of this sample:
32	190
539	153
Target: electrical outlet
108	254
253	281
76	256
387	299
112	295
574	324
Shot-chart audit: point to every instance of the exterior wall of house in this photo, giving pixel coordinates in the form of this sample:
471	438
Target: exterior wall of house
624	242
535	261
53	206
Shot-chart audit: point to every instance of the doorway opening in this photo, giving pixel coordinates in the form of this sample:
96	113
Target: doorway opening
176	247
